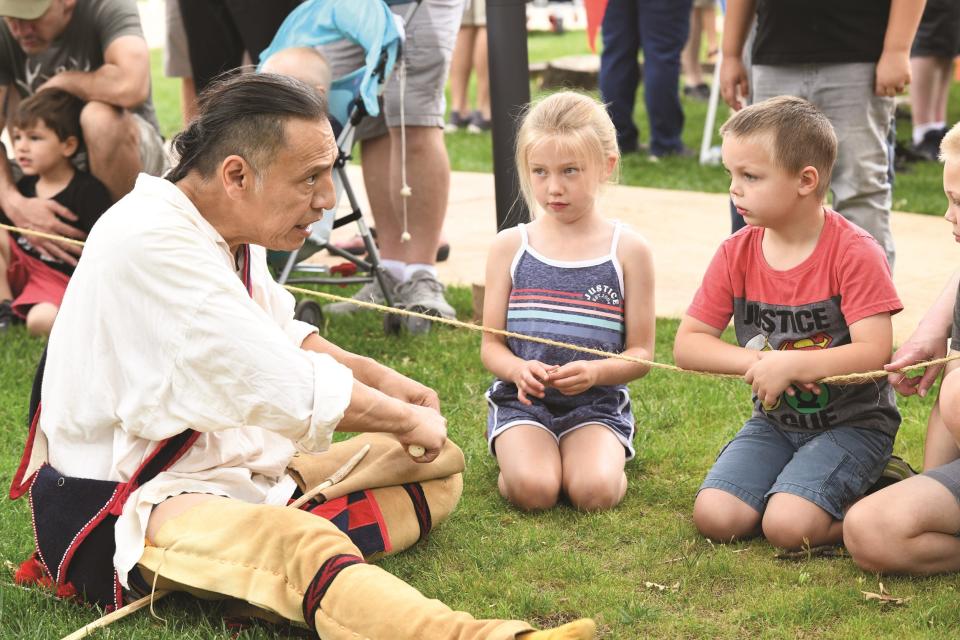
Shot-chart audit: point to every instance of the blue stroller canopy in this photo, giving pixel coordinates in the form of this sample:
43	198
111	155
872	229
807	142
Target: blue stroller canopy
368	23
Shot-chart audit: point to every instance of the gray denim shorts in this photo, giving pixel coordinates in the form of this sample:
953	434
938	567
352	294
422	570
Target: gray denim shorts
829	468
949	476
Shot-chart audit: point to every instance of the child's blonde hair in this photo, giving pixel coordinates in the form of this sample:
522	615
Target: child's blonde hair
801	135
950	145
581	122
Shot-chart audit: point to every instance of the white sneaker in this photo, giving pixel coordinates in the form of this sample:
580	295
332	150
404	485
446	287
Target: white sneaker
370	292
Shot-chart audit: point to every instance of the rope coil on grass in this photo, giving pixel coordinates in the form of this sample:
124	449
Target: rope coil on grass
852	378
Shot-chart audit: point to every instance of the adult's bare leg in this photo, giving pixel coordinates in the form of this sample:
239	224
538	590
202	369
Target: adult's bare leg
460	66
940	447
480	68
909	527
428	174
113	146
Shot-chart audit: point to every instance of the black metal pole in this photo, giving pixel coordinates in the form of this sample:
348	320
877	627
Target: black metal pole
509	92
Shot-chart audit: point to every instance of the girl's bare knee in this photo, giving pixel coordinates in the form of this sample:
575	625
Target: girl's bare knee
530	491
596	493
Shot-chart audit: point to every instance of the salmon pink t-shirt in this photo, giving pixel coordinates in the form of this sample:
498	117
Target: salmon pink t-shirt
810	306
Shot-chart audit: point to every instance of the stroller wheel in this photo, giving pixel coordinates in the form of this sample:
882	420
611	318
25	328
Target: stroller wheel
309	311
392	324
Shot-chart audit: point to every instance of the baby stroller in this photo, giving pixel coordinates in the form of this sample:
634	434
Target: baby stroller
374	27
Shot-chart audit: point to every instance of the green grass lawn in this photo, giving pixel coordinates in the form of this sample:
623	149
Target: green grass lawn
493	560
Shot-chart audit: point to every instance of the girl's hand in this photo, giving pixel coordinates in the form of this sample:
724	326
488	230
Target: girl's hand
530	377
574	377
773	374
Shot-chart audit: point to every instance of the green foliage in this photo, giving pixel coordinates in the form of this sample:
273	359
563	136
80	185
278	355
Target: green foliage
494	561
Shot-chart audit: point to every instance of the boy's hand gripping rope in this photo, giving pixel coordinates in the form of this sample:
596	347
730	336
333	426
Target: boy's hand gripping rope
852	378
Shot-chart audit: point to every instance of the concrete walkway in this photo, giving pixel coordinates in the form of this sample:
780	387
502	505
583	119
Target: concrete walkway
685	229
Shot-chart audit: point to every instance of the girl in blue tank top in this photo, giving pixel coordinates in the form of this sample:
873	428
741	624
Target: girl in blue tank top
560	421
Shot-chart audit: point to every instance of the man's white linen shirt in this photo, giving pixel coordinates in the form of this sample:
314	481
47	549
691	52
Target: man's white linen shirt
158	334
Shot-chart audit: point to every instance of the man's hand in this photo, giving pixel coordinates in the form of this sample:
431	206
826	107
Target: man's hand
893	73
574	377
773	374
59	81
530	378
916	349
734	84
39	214
428	429
403	388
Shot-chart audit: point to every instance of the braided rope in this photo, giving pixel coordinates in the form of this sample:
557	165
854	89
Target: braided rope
852	378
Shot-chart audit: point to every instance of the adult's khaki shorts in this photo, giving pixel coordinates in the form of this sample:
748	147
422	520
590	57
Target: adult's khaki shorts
427	50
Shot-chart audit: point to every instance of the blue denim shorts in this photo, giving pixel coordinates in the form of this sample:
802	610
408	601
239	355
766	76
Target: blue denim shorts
829	468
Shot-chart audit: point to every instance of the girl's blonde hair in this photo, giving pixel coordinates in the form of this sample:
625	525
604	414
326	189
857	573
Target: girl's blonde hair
581	123
950	145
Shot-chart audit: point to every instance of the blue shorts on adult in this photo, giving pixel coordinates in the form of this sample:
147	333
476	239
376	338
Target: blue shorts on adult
829	468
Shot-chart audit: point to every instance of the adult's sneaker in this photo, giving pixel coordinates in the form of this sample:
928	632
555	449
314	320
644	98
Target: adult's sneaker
7	318
370	292
929	147
423	293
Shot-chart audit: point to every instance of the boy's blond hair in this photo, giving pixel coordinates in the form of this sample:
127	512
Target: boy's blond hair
950	145
582	125
801	135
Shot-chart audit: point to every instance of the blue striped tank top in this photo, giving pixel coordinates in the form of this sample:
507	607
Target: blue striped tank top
578	302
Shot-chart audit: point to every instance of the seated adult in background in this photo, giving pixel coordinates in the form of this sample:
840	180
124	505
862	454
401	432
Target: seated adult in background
174	322
913	525
95	50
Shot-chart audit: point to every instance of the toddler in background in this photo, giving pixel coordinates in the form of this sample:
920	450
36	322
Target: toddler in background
46	135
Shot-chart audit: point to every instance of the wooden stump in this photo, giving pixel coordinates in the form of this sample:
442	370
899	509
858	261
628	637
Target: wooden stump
572	72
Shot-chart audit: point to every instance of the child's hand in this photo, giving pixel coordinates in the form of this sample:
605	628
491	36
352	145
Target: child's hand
530	377
574	377
774	373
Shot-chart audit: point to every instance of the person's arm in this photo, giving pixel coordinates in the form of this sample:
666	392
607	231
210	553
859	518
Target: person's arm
528	375
375	375
927	342
774	373
371	410
734	83
640	323
123	80
698	346
893	67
